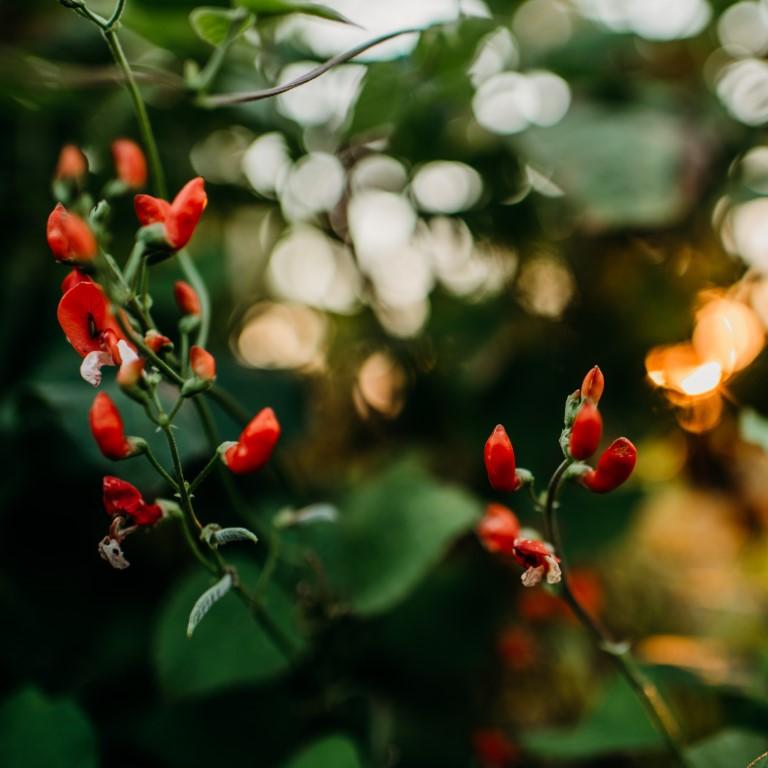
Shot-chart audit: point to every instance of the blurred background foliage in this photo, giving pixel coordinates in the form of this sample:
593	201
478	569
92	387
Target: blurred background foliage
443	234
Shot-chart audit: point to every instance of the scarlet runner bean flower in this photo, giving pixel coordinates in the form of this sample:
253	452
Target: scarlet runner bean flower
202	363
130	164
498	529
69	237
257	441
179	217
614	467
586	431
186	298
125	500
73	278
91	328
593	385
108	429
500	461
72	165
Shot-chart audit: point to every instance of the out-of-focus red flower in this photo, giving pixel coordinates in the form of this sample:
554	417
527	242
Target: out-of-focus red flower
614	467
202	363
257	441
124	500
180	217
593	385
73	278
130	164
107	428
186	298
588	590
156	341
498	529
493	749
538	605
517	645
500	461
72	164
69	237
586	431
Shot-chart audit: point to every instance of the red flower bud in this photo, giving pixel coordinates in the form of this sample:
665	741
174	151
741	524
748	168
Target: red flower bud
586	431
107	428
202	363
69	237
186	297
156	341
256	443
130	165
124	500
500	461
73	278
72	165
498	529
180	217
593	385
614	466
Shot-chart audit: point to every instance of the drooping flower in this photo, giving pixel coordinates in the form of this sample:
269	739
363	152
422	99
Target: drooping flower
72	164
179	217
130	164
202	363
500	461
125	500
498	529
586	431
539	560
91	328
614	467
257	441
69	237
108	429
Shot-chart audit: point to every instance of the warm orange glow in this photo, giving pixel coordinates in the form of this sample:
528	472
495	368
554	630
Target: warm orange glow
704	378
700	414
728	332
679	368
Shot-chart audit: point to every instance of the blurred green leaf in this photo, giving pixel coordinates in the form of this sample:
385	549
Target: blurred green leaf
389	534
727	749
330	752
264	8
213	25
229	648
618	723
38	732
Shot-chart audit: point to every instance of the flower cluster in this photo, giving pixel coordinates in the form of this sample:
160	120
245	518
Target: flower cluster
104	312
500	531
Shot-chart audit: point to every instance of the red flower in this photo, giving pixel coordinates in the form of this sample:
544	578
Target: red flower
73	278
517	645
107	428
121	499
493	749
156	341
593	385
498	530
69	237
500	461
586	431
180	217
539	561
256	443
130	165
614	466
202	363
186	297
71	165
91	328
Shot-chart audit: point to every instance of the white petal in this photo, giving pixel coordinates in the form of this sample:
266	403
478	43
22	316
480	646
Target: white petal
533	576
127	353
110	551
553	572
90	368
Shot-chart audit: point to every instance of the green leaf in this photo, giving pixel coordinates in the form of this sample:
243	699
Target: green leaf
230	649
266	8
330	752
728	748
753	428
388	536
214	25
39	732
618	723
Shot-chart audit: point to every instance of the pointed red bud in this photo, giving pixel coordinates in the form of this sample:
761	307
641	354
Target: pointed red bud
69	237
500	461
156	341
202	363
586	431
498	529
107	428
257	441
186	298
72	165
130	164
614	466
593	385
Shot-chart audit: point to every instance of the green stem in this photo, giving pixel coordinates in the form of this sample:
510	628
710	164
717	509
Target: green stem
116	15
159	467
619	653
133	263
205	471
158	177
